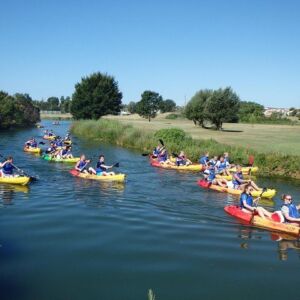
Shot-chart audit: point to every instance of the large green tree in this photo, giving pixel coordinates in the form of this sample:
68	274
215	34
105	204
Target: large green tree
131	107
221	106
167	106
149	104
194	110
95	96
250	110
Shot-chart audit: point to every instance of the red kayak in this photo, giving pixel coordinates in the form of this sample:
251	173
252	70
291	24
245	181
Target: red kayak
275	223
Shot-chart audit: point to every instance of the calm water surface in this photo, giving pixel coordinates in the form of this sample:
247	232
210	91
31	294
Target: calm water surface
68	238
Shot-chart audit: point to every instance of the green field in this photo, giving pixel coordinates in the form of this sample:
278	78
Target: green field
284	139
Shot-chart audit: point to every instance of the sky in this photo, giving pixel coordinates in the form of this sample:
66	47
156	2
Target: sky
174	47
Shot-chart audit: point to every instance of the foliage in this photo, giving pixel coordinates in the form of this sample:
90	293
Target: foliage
173	116
149	104
270	164
167	106
54	104
131	107
221	106
194	110
17	111
95	96
249	110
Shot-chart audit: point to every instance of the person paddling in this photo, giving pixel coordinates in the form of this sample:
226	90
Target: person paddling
82	164
210	177
247	203
289	210
182	160
7	167
101	168
65	152
238	181
203	160
31	143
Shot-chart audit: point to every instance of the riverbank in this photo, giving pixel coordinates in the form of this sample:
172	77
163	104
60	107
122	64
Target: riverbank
66	116
129	136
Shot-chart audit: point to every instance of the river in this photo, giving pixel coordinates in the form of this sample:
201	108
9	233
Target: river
69	238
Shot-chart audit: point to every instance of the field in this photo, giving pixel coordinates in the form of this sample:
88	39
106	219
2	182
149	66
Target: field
282	139
65	116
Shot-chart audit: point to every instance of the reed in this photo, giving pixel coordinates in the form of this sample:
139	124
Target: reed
125	135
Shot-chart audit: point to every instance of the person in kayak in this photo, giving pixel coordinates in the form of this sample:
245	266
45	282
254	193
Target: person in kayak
247	203
51	133
238	181
52	149
163	157
101	168
65	152
222	166
157	150
182	160
203	160
7	167
31	143
210	177
58	142
213	161
82	164
289	210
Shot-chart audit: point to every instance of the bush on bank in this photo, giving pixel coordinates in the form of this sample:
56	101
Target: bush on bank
125	135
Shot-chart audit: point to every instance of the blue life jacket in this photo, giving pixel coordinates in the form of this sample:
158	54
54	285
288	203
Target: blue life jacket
226	159
248	198
211	175
222	165
212	162
64	152
82	163
293	211
239	175
163	157
33	144
8	169
156	152
100	167
203	160
59	143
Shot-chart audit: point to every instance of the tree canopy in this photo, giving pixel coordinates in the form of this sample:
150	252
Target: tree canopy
95	96
249	110
167	105
149	104
17	110
215	106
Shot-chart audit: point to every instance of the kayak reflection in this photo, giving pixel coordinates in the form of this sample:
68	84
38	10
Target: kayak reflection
7	192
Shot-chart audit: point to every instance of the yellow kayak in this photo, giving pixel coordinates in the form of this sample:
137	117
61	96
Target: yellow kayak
229	177
269	193
49	138
245	170
21	180
118	177
32	150
192	167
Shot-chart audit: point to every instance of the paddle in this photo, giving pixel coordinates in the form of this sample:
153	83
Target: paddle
33	178
41	143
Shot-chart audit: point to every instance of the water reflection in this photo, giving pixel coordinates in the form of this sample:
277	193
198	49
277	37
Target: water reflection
7	192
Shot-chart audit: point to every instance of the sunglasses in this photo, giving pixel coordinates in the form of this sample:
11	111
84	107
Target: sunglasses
289	198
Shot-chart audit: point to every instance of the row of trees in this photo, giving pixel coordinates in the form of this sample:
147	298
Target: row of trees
62	104
17	110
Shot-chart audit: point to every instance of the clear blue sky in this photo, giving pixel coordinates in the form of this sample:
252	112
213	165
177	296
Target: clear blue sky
172	47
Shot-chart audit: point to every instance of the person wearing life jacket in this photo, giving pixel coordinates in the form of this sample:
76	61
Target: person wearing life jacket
101	168
156	151
50	133
247	203
203	160
210	177
238	181
52	149
213	161
82	164
59	142
65	152
7	167
222	166
289	210
31	143
182	160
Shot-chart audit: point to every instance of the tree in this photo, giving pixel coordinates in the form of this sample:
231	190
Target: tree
167	106
95	96
194	109
53	103
149	104
251	110
65	104
222	105
131	107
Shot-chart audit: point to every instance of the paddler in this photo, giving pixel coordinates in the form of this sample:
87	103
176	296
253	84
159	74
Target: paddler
52	149
101	168
182	160
222	166
290	210
210	177
65	152
82	164
7	167
238	181
247	203
157	150
203	160
31	143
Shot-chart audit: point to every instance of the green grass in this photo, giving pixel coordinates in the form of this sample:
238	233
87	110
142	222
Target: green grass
129	136
283	139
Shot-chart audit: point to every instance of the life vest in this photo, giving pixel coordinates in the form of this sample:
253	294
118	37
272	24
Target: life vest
239	175
81	164
222	165
211	175
163	157
8	169
100	167
248	198
203	160
293	211
212	162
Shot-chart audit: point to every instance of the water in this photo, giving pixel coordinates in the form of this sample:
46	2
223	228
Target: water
68	238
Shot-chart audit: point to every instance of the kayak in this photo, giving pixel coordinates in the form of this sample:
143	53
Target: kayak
33	150
118	177
21	180
269	193
274	223
192	167
63	160
68	143
49	138
229	177
245	170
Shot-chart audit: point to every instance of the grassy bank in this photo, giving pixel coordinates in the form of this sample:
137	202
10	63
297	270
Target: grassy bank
58	117
126	135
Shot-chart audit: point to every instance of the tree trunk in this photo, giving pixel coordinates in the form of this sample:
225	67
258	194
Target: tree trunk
149	118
